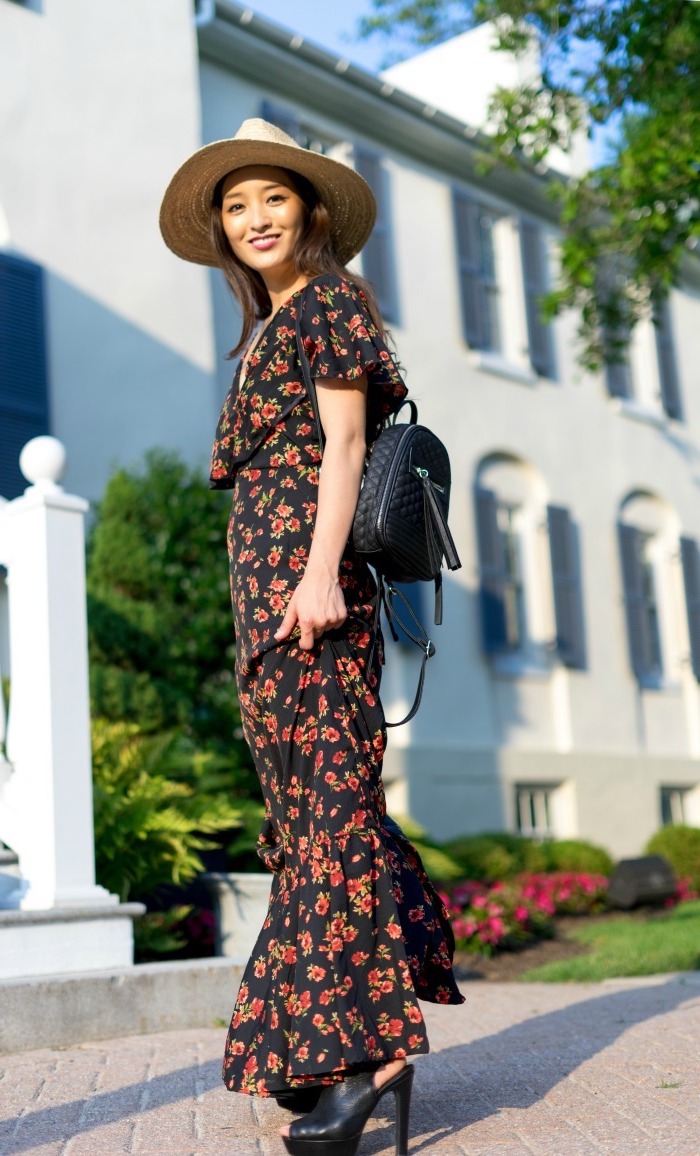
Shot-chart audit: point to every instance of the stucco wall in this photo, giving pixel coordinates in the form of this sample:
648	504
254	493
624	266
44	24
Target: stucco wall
604	746
99	103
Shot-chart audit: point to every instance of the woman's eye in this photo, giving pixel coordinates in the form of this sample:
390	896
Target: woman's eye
233	208
276	197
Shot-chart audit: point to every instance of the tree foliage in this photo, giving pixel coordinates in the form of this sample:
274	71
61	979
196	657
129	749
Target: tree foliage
634	65
162	645
173	777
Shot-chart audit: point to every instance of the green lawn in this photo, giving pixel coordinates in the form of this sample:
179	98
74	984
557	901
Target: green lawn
628	945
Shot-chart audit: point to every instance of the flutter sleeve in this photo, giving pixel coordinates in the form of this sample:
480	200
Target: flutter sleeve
342	341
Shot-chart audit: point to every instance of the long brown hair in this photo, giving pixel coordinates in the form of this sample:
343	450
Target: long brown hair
315	255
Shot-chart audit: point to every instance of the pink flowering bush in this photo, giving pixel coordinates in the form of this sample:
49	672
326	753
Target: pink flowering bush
566	892
490	917
494	918
684	891
503	916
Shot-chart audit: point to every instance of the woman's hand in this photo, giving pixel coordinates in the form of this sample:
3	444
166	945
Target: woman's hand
316	605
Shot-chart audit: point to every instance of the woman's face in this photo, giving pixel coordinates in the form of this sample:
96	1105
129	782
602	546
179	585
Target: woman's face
264	219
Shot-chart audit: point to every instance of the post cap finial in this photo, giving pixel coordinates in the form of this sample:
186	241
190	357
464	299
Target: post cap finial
43	462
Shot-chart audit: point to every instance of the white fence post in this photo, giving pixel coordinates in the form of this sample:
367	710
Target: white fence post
46	800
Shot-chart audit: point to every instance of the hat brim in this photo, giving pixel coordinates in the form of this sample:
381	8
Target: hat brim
185	213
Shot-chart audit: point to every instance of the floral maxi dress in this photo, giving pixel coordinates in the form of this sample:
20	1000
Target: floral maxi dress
355	932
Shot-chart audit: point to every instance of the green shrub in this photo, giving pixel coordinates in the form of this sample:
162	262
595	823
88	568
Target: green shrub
159	933
160	627
495	855
440	866
577	855
681	846
156	798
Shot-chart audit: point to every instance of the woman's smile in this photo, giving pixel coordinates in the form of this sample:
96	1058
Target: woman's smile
266	242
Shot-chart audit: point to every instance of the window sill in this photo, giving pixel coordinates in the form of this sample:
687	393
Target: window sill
521	664
631	408
495	363
659	682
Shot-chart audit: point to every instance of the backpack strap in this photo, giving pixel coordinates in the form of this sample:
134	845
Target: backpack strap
386	594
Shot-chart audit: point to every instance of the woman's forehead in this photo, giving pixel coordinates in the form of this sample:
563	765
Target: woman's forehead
257	174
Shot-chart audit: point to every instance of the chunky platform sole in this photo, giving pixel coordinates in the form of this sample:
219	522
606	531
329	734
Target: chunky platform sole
401	1085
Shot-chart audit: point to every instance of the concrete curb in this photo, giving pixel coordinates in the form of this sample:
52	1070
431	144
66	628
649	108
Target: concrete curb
60	1010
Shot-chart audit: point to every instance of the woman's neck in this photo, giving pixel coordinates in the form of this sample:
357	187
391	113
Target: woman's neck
281	292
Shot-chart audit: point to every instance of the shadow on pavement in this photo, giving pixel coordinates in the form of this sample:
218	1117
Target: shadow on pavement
517	1067
455	1087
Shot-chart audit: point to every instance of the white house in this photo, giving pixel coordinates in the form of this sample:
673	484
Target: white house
565	695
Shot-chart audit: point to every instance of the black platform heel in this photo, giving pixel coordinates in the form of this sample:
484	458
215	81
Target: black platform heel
299	1099
336	1124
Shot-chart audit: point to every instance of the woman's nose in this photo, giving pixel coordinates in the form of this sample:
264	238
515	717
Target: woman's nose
259	217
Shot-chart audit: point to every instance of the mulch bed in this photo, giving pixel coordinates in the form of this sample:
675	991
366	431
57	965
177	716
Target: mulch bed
508	966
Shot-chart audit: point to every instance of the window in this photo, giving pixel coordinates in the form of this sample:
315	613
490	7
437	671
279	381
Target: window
640	603
24	411
673	805
690	559
616	333
536	283
566	585
668	373
502	586
492	571
513	586
474	227
533	810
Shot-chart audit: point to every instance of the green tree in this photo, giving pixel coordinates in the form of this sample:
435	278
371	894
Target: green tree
635	66
172	775
162	646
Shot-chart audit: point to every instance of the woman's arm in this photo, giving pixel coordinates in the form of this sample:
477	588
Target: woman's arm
317	604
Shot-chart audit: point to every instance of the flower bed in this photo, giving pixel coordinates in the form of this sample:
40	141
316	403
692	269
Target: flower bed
503	916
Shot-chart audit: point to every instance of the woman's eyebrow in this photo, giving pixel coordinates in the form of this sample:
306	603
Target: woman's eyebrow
266	189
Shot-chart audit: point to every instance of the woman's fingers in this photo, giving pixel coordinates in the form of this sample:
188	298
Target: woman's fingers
288	622
308	636
312	620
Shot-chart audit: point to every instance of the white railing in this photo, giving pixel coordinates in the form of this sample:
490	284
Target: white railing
45	764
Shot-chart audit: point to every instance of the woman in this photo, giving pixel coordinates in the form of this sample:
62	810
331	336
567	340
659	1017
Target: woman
327	1010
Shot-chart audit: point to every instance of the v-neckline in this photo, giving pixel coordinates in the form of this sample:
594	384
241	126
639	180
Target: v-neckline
247	357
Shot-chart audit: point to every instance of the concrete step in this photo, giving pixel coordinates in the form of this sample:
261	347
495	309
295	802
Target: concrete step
60	1010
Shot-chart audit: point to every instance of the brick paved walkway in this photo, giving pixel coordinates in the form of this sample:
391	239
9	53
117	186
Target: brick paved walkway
555	1070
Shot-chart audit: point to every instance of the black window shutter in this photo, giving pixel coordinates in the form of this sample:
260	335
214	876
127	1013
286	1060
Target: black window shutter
638	630
566	583
24	404
492	571
536	284
618	375
668	371
691	580
474	305
619	378
377	255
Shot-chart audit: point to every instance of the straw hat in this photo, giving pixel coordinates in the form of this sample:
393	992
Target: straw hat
186	208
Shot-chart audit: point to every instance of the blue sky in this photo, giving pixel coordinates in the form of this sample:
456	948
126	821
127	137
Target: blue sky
333	26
